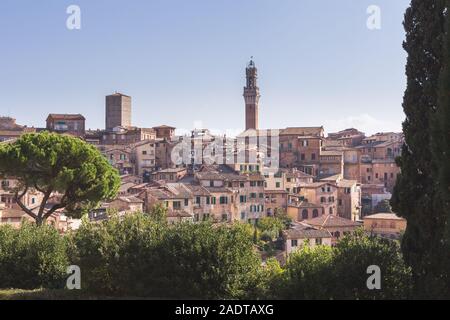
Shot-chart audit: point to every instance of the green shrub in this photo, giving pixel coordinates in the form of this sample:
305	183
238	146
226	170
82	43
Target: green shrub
32	257
137	256
354	253
309	274
341	272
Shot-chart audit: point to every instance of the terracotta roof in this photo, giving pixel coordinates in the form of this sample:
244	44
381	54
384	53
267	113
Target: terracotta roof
198	190
56	116
333	178
218	189
209	175
234	177
13	213
124	187
256	177
160	193
130	199
305	204
315	184
143	142
329	220
11	133
170	170
303	131
374	144
303	231
116	149
346	183
170	191
384	216
145	184
215	175
303	174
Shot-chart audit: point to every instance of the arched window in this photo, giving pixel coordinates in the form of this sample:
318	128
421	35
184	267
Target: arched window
315	213
331	210
337	234
304	214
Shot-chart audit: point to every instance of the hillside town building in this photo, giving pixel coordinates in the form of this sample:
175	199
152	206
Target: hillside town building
325	183
73	124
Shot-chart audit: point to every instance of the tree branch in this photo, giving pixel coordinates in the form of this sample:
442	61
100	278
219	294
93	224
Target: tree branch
38	189
18	199
52	210
55	207
44	202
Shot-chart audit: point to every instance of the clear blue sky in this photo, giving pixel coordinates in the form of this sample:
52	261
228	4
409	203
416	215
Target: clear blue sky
183	61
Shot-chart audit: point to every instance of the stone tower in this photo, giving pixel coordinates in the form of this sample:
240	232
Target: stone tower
118	111
251	96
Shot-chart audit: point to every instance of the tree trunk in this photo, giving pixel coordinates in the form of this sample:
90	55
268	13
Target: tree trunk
39	221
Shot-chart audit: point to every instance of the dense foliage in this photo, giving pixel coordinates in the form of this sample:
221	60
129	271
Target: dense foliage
140	257
418	194
137	256
441	161
341	272
49	163
32	257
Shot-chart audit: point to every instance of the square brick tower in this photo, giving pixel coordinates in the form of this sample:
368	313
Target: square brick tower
118	111
251	97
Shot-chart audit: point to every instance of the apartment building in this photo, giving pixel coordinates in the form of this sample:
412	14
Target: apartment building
336	225
144	156
73	124
164	132
346	138
301	210
300	147
321	193
381	171
331	163
301	235
387	225
169	174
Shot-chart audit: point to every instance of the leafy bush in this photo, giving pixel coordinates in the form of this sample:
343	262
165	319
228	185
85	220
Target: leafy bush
354	253
32	257
137	256
309	274
341	272
270	227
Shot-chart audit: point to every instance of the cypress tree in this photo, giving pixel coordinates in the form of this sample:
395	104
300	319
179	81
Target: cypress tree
441	153
415	191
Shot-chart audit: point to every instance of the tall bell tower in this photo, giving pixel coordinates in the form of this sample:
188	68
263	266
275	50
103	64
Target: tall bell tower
251	97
